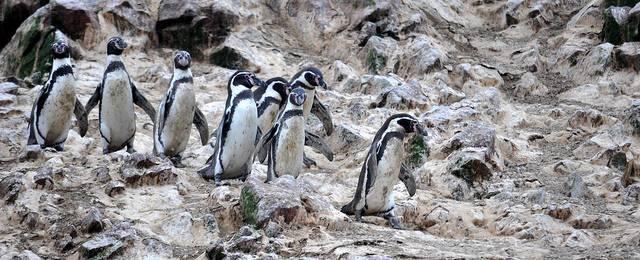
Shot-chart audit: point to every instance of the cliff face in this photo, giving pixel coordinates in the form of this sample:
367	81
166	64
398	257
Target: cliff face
529	104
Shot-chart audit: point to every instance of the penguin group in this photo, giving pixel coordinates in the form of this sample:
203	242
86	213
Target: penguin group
263	120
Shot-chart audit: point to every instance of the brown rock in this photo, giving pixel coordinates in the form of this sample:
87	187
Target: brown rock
92	223
114	188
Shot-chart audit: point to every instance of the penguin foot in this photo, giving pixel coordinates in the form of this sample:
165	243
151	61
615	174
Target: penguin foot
51	150
308	162
394	222
177	162
223	183
130	150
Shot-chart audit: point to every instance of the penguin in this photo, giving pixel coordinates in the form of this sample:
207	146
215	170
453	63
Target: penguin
382	169
285	141
237	134
270	98
177	112
116	94
309	79
56	103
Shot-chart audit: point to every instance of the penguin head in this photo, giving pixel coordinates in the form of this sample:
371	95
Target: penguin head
311	78
410	124
116	46
60	50
297	96
182	60
246	79
279	85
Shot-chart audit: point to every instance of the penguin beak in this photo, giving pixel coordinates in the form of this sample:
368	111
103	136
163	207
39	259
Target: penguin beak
321	83
258	82
420	130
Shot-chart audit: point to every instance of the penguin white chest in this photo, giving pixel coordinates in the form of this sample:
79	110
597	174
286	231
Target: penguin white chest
117	116
268	118
55	115
239	144
177	125
290	148
380	196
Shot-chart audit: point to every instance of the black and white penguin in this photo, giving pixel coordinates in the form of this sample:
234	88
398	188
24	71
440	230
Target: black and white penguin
270	98
56	103
237	134
383	168
309	79
177	112
285	141
116	95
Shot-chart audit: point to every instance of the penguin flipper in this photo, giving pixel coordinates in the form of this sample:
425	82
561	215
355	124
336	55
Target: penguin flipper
143	103
323	114
201	123
408	179
32	132
265	143
95	98
81	116
316	142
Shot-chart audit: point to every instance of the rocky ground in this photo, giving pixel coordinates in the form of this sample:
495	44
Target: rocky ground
530	106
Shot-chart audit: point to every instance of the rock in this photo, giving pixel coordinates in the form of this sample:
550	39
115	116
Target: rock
536	197
130	16
345	139
64	243
367	30
580	238
24	255
9	88
7	99
437	215
470	78
442	116
620	25
631	194
43	178
407	96
10	187
421	57
142	170
186	25
92	223
109	244
562	212
376	84
276	201
114	187
595	63
447	95
633	116
591	222
272	229
73	18
230	58
19	10
589	120
575	187
470	165
217	251
529	85
31	220
246	240
378	54
178	226
102	174
474	134
345	76
631	173
627	56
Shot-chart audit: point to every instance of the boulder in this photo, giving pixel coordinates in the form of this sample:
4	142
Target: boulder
575	187
631	173
530	86
627	55
591	222
376	84
145	169
9	88
443	116
475	134
471	78
186	25
344	77
631	194
633	117
379	55
12	14
407	96
130	16
421	57
346	139
561	212
276	201
621	24
114	188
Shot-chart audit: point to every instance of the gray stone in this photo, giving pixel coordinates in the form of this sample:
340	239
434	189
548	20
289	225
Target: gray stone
470	165
9	88
575	187
92	223
378	54
44	178
627	55
631	194
475	134
114	188
406	96
10	187
275	201
591	222
246	240
421	57
102	174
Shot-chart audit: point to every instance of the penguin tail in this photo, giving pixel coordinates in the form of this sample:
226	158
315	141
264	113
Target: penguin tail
348	209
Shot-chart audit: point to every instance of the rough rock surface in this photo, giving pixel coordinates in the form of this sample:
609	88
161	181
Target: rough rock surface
531	108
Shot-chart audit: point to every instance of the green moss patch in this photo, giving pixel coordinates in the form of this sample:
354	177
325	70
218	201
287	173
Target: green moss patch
249	202
375	62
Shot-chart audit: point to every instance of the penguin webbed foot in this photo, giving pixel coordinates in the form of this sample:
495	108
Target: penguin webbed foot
308	162
177	161
394	221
